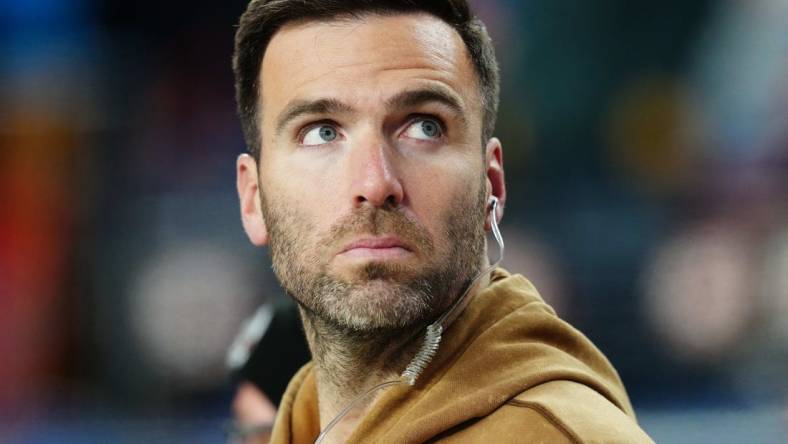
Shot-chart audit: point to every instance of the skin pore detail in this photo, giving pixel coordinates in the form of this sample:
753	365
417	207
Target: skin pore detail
387	57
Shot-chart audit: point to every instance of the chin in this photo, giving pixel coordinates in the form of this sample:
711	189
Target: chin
388	271
381	304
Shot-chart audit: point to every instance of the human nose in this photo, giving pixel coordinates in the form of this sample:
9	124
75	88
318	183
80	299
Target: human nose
375	179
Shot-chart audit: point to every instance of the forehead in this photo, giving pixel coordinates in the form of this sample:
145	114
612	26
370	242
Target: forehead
364	58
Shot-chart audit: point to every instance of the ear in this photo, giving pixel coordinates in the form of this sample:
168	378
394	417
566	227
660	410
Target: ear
495	178
249	195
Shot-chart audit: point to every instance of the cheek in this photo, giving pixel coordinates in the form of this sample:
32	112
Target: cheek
300	184
308	206
441	194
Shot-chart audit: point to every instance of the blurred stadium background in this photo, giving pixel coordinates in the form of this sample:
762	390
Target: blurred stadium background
646	149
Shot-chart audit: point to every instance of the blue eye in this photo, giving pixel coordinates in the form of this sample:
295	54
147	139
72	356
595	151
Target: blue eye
424	129
320	135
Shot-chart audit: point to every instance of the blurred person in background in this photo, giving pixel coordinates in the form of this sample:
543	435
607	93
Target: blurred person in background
267	352
373	175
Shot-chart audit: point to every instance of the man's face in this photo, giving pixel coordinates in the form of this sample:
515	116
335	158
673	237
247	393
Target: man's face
372	178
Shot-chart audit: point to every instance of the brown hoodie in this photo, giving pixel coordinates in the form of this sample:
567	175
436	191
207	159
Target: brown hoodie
508	370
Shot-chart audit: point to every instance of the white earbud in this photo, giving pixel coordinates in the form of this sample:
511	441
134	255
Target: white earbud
492	202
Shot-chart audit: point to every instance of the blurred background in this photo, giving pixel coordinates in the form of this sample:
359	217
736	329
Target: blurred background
646	151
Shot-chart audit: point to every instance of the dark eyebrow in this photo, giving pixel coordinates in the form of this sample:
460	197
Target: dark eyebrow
301	107
405	99
413	98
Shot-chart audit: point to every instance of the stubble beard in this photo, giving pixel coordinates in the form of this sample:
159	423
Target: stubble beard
380	298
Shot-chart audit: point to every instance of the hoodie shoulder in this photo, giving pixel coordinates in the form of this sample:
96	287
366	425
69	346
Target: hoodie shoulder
581	413
556	412
509	424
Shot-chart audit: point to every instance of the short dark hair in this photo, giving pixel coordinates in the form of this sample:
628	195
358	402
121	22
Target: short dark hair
263	18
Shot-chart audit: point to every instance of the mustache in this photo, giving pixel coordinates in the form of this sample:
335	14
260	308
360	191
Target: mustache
380	221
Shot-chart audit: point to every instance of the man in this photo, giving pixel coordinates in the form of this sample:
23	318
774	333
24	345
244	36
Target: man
371	173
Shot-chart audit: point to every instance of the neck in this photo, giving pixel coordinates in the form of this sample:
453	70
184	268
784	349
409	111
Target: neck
348	363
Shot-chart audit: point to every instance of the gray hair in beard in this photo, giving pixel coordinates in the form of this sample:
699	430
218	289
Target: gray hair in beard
381	297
